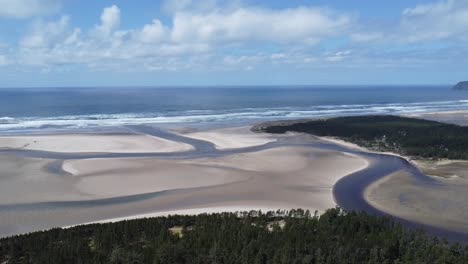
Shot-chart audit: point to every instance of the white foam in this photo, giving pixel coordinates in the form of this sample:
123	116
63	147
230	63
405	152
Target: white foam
244	114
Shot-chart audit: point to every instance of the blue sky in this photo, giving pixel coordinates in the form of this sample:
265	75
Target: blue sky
210	42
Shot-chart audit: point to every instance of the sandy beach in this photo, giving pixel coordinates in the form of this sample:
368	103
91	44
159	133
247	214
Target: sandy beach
232	177
24	180
72	143
114	188
103	178
194	211
451	117
441	203
229	138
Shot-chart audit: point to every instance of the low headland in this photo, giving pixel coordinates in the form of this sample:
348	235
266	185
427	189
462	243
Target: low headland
461	86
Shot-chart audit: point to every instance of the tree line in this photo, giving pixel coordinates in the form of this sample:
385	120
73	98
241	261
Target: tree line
405	136
295	236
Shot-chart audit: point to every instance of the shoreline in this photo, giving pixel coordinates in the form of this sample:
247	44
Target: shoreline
257	174
221	209
188	211
92	143
265	166
423	165
407	199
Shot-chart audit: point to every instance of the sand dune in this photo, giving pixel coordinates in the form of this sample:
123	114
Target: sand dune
93	143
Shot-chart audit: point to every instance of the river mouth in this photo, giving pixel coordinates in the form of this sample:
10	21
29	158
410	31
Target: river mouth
348	192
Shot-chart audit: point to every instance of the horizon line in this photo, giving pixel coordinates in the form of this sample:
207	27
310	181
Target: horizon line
223	86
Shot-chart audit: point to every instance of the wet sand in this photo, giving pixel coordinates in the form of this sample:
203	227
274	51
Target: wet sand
40	191
73	143
278	173
230	138
26	179
441	202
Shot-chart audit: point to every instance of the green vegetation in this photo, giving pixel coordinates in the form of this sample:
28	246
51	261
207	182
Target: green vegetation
406	136
274	237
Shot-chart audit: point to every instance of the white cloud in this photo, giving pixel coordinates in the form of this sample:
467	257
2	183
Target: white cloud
3	60
212	36
242	60
439	20
306	25
28	8
278	56
434	8
46	34
154	32
193	36
338	56
110	20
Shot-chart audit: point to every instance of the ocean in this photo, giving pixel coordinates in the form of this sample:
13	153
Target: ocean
29	109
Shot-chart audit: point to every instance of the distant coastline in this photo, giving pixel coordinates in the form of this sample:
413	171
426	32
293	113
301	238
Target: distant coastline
461	86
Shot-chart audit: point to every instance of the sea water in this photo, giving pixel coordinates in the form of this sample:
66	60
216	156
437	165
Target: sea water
23	109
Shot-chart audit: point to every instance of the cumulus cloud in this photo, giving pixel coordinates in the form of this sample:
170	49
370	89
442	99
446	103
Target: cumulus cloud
28	8
439	20
110	20
206	34
194	35
154	32
45	34
308	25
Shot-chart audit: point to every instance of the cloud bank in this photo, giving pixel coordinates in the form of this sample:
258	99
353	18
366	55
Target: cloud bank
213	36
21	9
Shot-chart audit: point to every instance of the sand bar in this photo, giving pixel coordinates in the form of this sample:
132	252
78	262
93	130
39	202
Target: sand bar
230	138
101	178
73	143
24	180
281	177
452	117
441	202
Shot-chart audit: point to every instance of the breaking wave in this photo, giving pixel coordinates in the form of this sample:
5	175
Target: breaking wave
238	115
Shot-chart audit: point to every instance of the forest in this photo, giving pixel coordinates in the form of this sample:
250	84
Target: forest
406	136
294	236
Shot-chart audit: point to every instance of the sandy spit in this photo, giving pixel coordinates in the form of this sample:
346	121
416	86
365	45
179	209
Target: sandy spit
73	143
